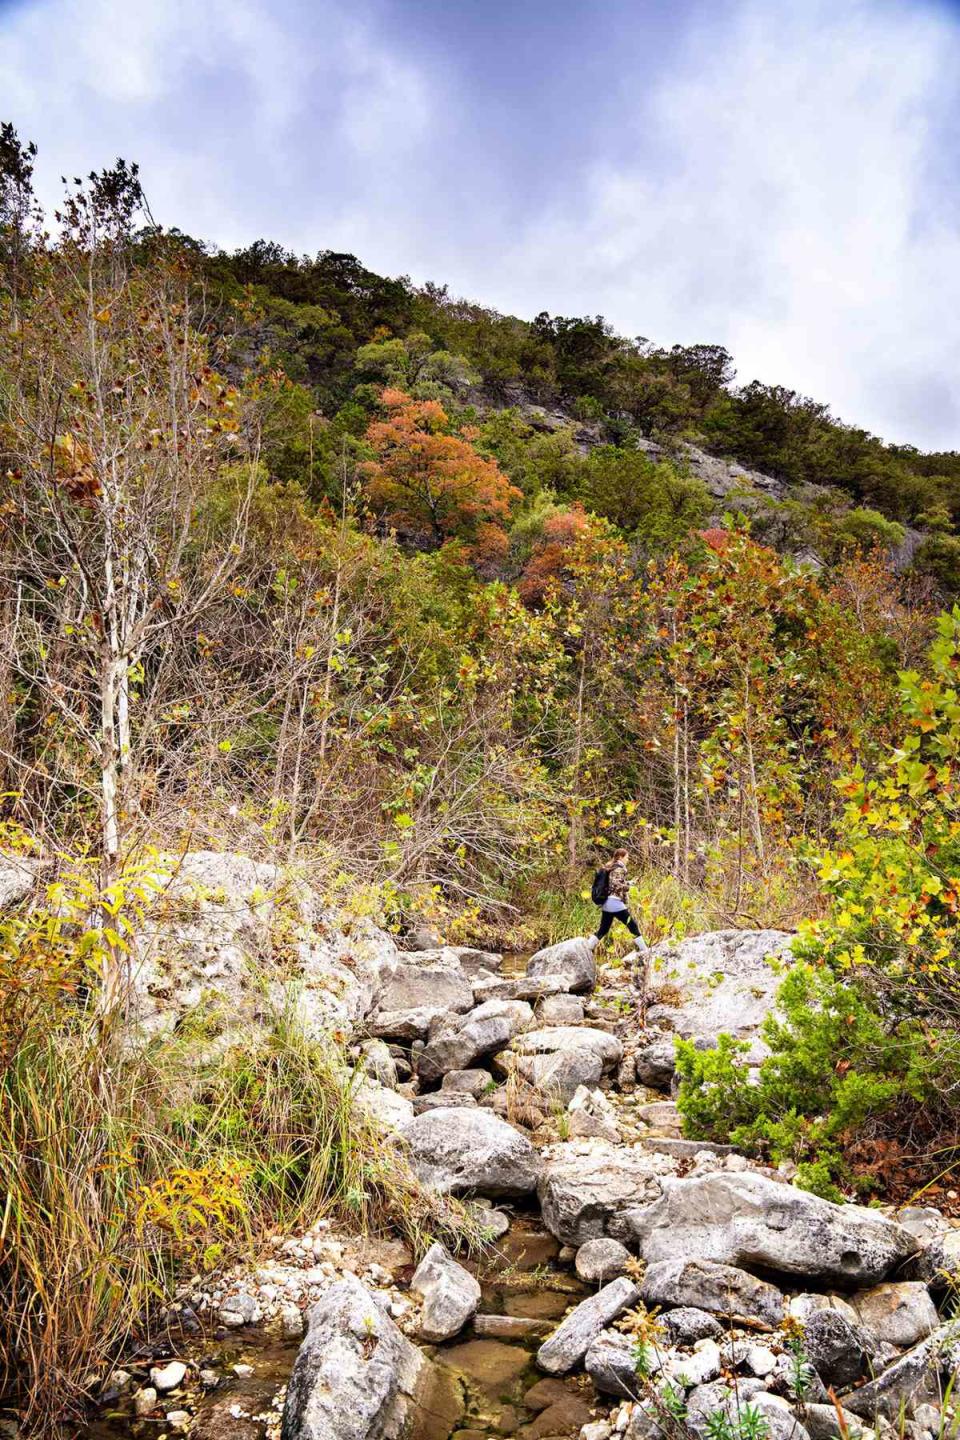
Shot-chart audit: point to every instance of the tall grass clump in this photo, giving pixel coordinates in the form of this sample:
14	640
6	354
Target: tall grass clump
123	1164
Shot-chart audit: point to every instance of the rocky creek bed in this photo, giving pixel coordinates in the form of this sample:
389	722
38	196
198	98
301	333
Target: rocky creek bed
540	1095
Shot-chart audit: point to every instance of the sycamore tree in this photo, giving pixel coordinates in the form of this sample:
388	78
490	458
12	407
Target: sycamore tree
114	427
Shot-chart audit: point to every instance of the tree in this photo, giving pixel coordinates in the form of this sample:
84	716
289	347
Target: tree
431	484
865	1056
115	429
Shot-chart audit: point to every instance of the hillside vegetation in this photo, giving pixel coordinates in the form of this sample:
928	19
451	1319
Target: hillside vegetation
438	605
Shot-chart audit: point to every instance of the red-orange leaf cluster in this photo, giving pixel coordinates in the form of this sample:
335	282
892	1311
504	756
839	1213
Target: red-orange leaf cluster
432	484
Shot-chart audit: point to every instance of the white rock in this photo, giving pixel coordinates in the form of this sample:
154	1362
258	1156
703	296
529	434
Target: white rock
748	1219
168	1377
450	1294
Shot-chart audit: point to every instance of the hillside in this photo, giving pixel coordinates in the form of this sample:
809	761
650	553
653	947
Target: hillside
832	484
467	786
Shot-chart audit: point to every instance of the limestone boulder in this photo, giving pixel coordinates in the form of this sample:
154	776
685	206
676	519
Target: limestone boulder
898	1313
836	1349
601	1260
569	1343
457	1151
611	1365
718	1289
745	1219
574	960
449	1293
412	997
655	1059
356	1376
908	1382
457	1041
586	1185
560	1010
552	1039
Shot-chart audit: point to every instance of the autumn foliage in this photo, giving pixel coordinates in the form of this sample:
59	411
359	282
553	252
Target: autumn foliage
431	484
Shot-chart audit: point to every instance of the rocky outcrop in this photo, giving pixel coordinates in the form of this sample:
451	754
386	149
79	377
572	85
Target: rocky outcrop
356	1376
18	876
463	1151
207	948
718	983
746	1219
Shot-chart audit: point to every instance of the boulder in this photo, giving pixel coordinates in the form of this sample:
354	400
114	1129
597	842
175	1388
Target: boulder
458	1040
601	1260
457	1151
388	1108
570	1342
517	987
587	1184
702	1366
836	1349
656	1060
572	959
903	1385
356	1376
720	1289
414	996
560	1010
748	1219
718	983
718	1397
686	1325
443	1100
611	1366
899	1313
591	1114
556	1077
466	1082
661	1115
822	1422
449	1293
472	961
552	1039
378	1063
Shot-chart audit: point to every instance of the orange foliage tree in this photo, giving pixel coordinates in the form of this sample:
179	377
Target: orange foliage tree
432	484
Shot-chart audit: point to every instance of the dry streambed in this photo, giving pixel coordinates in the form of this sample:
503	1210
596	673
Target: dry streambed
536	1095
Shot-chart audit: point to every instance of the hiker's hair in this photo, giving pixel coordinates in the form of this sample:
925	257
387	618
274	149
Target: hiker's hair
619	855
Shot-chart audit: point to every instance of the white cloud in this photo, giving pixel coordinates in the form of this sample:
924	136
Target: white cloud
780	183
246	118
794	216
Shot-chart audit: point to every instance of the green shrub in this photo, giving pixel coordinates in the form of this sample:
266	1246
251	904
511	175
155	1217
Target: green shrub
865	1044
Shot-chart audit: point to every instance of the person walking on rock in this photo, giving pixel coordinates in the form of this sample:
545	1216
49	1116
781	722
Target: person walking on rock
610	886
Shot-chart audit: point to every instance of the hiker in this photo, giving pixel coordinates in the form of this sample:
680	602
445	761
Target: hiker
610	886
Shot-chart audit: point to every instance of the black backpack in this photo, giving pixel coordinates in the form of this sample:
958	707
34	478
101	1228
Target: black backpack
600	889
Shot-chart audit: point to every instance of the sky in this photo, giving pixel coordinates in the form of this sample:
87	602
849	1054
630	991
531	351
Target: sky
778	176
